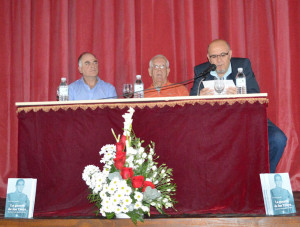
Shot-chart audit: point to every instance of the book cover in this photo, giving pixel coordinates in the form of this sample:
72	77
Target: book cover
277	193
20	198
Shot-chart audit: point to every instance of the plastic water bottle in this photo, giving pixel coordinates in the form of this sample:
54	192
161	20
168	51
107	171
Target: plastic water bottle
240	81
138	87
63	90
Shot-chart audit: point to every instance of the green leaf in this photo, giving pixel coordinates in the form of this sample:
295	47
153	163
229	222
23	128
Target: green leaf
110	215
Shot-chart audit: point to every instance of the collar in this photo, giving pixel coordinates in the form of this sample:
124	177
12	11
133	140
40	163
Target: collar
98	81
159	88
229	71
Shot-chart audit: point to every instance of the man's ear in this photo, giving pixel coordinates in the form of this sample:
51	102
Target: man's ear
79	69
150	72
168	71
230	54
208	58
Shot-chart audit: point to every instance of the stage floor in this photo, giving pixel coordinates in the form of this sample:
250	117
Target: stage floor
161	220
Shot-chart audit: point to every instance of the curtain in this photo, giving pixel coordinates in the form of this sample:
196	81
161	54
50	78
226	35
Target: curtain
42	39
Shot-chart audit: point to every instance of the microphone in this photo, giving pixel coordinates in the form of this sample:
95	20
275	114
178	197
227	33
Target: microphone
211	67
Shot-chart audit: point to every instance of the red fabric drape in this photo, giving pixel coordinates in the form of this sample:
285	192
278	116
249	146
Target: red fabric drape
211	176
41	40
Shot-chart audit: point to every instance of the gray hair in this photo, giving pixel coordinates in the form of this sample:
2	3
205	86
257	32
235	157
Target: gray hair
81	55
159	56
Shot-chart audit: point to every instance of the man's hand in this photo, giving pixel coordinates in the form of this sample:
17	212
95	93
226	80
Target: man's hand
207	91
231	91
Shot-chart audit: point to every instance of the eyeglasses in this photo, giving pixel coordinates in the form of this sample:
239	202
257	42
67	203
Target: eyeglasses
159	66
215	56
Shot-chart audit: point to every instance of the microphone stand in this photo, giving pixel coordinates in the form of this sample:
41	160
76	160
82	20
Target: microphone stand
203	78
204	74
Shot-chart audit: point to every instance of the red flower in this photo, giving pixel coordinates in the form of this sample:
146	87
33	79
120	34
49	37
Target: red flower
120	147
146	184
126	173
120	159
123	139
137	181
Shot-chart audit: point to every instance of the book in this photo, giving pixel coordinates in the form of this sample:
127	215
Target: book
277	193
20	198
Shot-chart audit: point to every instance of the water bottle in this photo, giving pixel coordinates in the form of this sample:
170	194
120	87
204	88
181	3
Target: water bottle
63	90
138	87
240	81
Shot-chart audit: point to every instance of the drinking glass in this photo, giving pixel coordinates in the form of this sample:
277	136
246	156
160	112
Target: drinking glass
127	90
219	85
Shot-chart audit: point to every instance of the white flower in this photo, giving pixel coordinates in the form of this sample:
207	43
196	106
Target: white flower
128	120
102	212
112	207
115	199
129	159
119	195
97	188
145	208
117	209
154	174
141	150
128	190
127	200
138	196
106	205
137	205
151	152
103	195
124	209
105	187
156	182
97	181
106	171
112	188
131	110
154	168
140	161
131	151
122	187
163	171
165	200
144	155
89	171
168	205
115	181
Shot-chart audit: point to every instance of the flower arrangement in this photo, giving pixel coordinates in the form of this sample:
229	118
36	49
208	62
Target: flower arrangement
131	180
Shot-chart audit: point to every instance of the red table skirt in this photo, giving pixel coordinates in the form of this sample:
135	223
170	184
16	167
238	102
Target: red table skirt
217	148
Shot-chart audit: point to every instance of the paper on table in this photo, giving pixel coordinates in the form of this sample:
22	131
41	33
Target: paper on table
210	84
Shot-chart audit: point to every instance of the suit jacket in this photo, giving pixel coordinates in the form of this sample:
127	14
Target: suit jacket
251	83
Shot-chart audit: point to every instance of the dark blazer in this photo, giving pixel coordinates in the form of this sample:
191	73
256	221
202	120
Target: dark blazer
251	83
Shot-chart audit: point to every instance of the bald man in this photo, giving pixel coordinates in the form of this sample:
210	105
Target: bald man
220	54
90	86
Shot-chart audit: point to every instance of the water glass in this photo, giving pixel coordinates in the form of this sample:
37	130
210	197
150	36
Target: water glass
219	85
127	91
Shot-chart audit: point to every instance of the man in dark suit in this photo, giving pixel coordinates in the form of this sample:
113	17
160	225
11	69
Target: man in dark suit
219	53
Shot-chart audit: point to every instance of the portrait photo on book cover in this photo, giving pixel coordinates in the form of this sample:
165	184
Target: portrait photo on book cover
17	202
281	194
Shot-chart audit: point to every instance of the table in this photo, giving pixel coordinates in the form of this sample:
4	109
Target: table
217	146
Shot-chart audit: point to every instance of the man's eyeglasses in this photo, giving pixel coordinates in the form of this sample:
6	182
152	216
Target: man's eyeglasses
159	66
215	56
